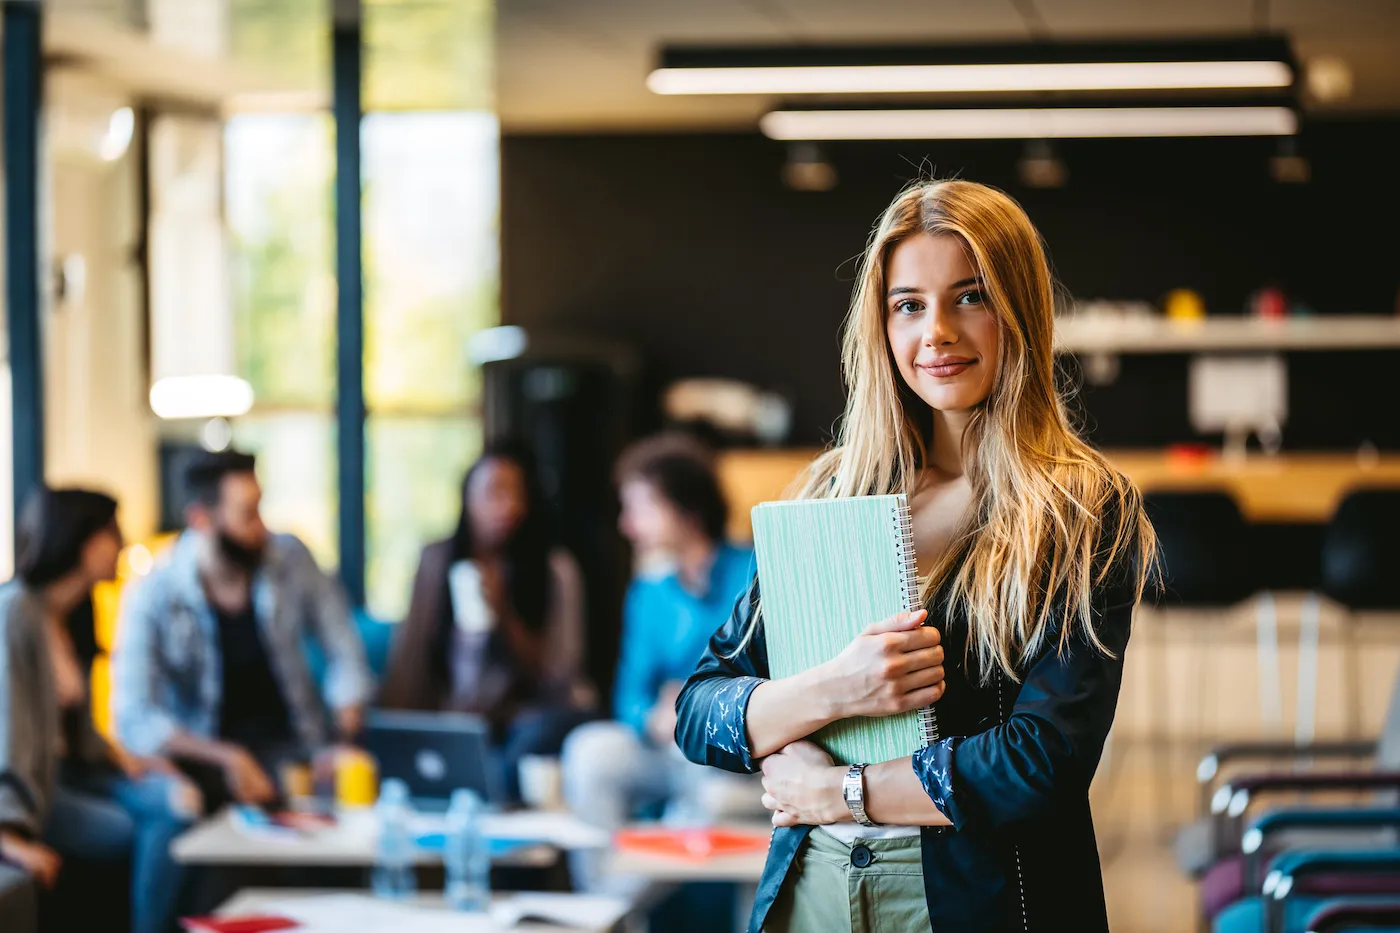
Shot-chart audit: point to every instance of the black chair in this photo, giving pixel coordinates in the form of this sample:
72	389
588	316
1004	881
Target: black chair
1360	572
1208	564
1205	549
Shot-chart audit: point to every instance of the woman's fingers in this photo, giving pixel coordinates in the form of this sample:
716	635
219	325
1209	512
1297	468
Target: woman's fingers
918	680
784	819
916	699
921	659
899	622
770	802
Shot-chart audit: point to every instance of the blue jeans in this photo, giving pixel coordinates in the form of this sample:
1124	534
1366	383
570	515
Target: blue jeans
102	816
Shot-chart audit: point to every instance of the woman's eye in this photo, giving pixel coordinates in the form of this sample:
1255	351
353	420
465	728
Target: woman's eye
907	306
973	297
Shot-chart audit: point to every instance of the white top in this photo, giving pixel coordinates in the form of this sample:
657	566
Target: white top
470	610
850	832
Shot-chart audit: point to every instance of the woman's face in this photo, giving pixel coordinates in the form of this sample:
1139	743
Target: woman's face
100	553
942	332
497	501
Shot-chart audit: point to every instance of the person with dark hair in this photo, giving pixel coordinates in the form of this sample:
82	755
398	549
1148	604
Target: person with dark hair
495	623
72	804
210	665
674	515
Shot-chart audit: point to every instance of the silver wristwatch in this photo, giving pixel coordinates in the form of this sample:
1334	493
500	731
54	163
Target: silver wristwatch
853	790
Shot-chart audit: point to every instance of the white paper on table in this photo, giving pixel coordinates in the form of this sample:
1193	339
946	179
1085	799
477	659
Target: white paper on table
588	911
358	913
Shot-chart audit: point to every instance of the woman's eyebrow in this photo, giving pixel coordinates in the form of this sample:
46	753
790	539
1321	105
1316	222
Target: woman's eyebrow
972	281
902	290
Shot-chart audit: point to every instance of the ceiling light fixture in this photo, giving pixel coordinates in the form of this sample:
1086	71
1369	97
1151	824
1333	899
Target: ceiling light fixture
1030	123
1249	63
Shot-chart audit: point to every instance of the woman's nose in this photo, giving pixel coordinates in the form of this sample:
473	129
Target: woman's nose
937	329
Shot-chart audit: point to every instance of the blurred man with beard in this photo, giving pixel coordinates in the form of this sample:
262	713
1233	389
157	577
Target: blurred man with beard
210	666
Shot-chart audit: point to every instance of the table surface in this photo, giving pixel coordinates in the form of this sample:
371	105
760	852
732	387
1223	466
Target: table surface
257	900
741	869
1302	488
218	841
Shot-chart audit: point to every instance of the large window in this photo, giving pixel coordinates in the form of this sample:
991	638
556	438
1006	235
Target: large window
430	283
278	173
430	188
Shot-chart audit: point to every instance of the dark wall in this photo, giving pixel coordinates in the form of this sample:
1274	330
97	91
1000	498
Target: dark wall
690	248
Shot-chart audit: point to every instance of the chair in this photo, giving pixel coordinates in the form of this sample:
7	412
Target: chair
19	908
1360	572
1290	900
1207	561
1236	869
1355	915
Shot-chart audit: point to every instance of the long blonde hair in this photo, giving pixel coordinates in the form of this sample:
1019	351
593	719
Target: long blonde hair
1035	541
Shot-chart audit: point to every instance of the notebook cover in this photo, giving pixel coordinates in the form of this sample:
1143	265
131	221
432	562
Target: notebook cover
827	569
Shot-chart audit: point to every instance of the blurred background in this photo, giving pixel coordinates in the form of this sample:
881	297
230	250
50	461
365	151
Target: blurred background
362	239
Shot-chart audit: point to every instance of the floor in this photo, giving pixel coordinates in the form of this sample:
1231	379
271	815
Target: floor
1146	892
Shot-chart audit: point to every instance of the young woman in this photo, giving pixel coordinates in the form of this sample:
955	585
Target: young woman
1032	551
69	800
495	624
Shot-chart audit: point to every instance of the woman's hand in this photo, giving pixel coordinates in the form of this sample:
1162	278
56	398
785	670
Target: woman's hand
802	786
894	666
33	857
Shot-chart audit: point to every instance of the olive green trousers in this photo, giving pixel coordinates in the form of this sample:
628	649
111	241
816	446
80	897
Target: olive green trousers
871	886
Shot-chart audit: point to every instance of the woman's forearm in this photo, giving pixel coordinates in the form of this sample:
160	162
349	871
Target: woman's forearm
895	795
784	711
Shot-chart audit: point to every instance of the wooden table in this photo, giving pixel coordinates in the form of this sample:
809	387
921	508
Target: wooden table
350	843
663	875
1300	488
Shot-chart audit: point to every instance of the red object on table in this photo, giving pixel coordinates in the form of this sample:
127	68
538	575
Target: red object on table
248	924
694	845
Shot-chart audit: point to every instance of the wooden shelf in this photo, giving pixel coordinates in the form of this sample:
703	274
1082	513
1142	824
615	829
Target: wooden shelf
1163	335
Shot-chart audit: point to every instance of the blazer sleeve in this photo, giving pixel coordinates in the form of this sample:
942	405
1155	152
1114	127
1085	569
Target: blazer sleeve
713	705
1050	744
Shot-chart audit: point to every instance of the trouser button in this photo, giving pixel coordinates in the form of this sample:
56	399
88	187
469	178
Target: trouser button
861	856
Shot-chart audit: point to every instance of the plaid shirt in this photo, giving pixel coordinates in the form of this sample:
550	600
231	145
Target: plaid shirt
167	673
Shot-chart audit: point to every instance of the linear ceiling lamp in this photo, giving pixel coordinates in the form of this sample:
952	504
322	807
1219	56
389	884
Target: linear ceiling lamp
1248	63
1029	123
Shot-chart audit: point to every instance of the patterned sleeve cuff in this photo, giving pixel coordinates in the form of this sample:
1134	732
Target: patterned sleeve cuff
934	766
725	728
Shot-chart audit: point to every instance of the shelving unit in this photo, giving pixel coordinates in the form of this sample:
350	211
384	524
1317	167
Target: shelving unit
1103	334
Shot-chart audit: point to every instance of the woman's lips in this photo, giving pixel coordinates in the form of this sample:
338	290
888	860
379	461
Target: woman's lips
950	366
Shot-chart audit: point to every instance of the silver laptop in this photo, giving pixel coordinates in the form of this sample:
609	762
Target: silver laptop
434	754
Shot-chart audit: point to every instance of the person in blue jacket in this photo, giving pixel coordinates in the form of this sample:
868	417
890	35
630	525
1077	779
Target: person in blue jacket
674	514
1032	551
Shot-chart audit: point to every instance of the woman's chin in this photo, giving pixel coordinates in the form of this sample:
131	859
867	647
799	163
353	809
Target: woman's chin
950	399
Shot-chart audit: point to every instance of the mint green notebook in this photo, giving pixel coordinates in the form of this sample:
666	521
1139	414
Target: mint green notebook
827	569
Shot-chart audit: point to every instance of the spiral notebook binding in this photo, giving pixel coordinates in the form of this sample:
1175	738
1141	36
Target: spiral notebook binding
909	593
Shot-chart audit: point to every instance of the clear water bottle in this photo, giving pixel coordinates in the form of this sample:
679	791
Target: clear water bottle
466	854
392	875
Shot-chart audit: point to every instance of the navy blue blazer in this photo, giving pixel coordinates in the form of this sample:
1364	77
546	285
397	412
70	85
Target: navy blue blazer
1012	773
